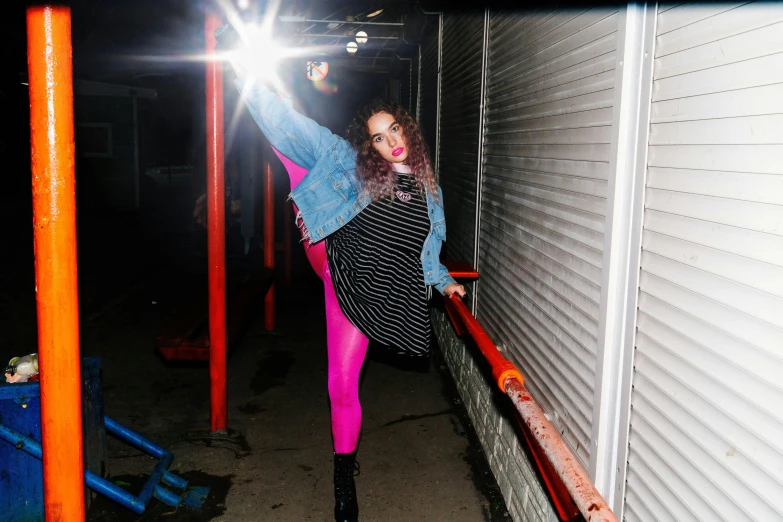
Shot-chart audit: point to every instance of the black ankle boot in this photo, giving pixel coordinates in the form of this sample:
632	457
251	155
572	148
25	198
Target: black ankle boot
346	508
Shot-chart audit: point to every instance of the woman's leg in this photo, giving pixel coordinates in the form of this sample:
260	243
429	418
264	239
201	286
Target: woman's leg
295	173
316	254
346	345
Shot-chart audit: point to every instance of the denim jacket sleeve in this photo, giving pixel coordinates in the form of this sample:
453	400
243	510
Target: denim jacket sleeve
296	136
443	279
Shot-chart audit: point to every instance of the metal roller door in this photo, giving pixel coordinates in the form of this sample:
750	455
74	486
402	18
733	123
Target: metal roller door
460	102
706	437
549	98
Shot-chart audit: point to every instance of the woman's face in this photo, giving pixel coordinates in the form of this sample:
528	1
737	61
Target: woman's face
387	137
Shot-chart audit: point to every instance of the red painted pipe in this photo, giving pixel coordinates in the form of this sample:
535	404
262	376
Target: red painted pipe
50	73
216	232
269	243
558	466
502	368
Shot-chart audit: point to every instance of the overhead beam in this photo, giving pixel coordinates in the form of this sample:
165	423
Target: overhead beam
350	36
301	19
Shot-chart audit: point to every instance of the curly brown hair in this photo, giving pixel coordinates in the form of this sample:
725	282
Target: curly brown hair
376	176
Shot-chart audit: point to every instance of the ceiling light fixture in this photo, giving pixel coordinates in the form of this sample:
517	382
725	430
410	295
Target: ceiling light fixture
361	37
352	47
375	13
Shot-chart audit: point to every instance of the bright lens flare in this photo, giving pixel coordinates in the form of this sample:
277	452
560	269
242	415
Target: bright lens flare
326	87
260	55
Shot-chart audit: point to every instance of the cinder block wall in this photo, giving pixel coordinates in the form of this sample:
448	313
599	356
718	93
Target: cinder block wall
525	497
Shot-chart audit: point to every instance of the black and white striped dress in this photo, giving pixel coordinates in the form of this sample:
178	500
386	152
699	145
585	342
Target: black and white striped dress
375	261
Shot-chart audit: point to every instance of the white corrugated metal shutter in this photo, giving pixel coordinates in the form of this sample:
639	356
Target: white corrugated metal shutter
706	439
460	101
546	163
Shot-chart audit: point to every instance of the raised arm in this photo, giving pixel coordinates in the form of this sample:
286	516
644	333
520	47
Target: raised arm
294	135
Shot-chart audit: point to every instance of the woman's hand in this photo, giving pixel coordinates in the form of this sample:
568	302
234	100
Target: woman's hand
454	288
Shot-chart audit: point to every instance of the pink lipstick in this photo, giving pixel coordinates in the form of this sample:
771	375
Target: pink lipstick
399	150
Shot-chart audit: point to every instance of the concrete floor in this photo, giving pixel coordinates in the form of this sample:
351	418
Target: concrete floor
419	458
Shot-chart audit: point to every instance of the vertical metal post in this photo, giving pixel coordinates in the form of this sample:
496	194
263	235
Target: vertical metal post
50	70
216	232
269	243
622	251
480	155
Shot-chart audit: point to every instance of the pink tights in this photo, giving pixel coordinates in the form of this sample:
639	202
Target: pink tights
346	346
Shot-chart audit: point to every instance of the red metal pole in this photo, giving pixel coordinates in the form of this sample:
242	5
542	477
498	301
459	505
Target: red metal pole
502	368
50	80
546	443
216	232
269	243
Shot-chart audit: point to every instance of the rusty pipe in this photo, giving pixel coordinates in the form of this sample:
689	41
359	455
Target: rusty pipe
576	480
546	438
50	71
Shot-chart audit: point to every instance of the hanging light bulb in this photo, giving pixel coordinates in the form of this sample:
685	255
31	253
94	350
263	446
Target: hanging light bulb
352	47
361	37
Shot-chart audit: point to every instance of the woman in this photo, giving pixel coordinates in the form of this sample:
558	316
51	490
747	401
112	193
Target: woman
371	214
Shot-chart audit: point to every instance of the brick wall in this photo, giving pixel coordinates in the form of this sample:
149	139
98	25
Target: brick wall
525	498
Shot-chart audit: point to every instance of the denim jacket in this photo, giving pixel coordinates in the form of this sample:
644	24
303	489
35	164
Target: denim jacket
329	197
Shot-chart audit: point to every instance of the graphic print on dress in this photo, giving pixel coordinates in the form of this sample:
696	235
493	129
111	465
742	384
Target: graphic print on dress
403	196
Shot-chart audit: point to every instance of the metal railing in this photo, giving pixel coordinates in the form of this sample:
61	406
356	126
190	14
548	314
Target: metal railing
568	482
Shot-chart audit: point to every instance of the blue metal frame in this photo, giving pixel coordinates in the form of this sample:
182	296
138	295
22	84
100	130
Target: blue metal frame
192	497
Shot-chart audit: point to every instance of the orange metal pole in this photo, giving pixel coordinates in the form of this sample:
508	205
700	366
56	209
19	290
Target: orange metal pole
216	232
502	368
50	74
269	243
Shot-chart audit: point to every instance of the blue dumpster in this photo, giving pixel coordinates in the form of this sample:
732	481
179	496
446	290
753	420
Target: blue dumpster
21	474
